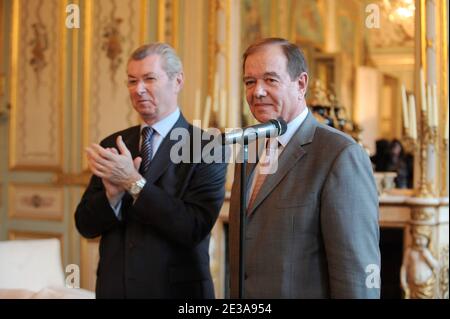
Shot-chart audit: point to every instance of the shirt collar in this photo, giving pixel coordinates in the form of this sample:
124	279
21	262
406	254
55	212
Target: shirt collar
164	126
292	127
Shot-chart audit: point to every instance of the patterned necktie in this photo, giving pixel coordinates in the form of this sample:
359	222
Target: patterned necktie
146	148
261	173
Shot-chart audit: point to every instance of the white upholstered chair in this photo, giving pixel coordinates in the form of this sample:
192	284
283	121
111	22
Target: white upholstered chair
32	269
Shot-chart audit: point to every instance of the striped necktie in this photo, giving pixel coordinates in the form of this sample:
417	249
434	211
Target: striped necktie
146	148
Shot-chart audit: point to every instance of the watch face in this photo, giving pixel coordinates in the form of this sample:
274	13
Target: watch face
135	188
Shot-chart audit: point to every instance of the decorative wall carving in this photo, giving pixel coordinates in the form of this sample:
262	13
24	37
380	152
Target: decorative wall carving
35	201
39	46
421	214
112	43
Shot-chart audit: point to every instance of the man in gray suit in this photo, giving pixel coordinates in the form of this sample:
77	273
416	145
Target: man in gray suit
312	224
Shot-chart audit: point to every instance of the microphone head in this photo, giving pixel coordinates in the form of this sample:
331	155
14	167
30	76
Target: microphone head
283	126
280	124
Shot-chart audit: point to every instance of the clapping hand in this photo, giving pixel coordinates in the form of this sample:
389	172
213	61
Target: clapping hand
117	169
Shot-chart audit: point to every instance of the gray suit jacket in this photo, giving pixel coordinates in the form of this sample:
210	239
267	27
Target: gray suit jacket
313	230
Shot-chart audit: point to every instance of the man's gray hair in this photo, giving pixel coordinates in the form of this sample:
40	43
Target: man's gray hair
171	62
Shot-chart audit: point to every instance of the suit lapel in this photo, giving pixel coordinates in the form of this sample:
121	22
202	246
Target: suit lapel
291	155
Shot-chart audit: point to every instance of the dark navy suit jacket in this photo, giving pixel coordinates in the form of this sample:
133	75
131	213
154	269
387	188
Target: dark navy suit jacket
159	249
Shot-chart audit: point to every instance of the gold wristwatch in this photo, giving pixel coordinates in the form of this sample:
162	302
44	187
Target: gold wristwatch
136	187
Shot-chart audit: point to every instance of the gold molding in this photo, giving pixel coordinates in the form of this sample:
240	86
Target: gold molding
87	52
423	34
14	75
62	84
2	80
161	24
228	39
14	234
85	273
212	46
75	96
143	23
1	44
81	179
283	16
443	98
430	44
388	59
174	22
274	13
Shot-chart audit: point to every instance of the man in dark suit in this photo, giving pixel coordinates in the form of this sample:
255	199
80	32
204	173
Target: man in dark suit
312	221
154	216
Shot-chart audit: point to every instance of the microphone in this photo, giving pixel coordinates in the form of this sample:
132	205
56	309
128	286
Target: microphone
272	128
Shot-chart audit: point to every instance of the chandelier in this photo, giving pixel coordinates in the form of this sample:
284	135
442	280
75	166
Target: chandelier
400	13
399	10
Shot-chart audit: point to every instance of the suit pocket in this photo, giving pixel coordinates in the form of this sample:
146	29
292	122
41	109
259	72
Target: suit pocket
186	273
297	200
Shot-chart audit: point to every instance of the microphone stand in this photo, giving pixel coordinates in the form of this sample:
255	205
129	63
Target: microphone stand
242	220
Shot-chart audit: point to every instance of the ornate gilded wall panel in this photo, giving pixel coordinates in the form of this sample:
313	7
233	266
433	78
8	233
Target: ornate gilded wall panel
254	14
112	30
168	22
307	23
35	201
37	74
